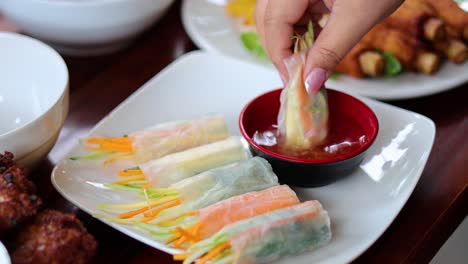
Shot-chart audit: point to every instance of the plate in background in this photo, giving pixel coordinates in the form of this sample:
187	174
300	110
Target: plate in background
208	25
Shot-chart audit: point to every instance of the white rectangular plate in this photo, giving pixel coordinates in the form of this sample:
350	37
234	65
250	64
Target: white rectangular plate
361	206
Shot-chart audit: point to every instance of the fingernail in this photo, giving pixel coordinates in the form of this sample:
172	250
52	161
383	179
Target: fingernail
315	80
283	79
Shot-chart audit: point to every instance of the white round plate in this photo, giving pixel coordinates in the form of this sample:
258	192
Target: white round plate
213	30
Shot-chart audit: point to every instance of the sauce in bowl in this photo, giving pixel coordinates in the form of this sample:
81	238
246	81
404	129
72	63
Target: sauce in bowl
343	138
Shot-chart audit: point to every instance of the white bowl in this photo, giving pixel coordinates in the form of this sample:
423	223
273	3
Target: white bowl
4	257
84	27
33	97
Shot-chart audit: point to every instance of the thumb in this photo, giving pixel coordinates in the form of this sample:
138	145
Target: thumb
341	32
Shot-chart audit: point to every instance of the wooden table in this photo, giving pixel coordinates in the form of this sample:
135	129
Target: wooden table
438	204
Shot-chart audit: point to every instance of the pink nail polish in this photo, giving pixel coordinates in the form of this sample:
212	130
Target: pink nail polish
315	80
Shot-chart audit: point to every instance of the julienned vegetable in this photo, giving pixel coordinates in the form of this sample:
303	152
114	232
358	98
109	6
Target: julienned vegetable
204	222
265	238
252	43
161	173
392	65
196	192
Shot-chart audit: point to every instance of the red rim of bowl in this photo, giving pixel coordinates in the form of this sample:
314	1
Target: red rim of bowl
310	161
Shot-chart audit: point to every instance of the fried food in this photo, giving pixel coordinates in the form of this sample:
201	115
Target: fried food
454	49
455	17
362	61
411	52
16	207
419	19
53	237
18	201
6	161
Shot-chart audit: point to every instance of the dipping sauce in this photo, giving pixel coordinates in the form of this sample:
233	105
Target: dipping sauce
342	138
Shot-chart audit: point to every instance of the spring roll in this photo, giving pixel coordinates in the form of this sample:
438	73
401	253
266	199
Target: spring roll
453	16
362	61
454	49
265	238
175	167
418	19
303	114
207	221
160	173
158	141
198	191
411	53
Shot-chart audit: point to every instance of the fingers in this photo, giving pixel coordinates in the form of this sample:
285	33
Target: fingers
260	10
348	22
279	19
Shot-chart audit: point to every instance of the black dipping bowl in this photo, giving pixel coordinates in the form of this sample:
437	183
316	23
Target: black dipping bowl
262	112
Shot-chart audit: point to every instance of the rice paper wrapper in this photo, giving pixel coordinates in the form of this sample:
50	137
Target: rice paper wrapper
175	167
245	176
303	114
164	139
282	237
219	184
245	206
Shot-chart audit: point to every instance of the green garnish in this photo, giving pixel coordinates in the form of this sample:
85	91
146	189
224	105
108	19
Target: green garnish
132	168
309	35
93	156
392	64
334	76
252	43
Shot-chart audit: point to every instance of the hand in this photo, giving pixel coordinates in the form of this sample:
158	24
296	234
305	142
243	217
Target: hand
349	20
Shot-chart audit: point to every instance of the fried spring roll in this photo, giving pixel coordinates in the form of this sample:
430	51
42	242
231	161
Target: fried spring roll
455	50
452	15
372	63
427	62
362	60
434	29
409	51
418	19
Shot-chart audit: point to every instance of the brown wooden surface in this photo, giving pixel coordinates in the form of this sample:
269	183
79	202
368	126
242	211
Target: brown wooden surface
438	204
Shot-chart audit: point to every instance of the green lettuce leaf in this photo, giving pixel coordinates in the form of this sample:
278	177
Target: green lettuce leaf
334	76
392	65
252	43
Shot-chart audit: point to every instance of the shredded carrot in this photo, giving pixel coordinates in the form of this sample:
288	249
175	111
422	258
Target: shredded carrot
116	147
180	257
156	211
134	212
125	173
193	231
180	242
212	254
98	140
129	179
186	234
115	158
173	238
147	186
196	230
193	213
147	219
150	203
